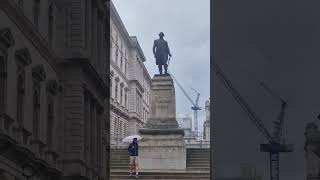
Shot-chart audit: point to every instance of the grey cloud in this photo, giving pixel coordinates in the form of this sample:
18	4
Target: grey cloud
186	27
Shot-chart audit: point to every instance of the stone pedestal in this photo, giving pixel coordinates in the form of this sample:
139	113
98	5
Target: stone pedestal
162	147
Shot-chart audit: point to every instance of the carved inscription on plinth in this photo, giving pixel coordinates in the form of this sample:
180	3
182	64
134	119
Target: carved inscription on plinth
162	96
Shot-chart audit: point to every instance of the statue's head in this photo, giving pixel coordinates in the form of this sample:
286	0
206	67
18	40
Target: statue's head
161	34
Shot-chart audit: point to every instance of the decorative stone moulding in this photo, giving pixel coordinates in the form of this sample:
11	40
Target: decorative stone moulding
53	87
6	37
23	55
38	72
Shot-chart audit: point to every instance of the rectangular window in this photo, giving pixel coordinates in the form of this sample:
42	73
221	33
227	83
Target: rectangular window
50	25
116	92
3	78
121	94
36	12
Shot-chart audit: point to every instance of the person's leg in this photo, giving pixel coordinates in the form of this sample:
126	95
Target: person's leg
136	165
131	164
160	69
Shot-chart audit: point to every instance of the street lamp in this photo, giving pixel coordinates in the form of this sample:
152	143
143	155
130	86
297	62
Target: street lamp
27	171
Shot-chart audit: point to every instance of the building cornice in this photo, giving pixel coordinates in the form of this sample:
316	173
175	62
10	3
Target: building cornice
134	116
91	71
139	85
145	71
118	22
135	44
119	111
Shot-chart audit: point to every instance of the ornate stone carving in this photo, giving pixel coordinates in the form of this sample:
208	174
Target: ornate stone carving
6	37
53	87
38	72
23	56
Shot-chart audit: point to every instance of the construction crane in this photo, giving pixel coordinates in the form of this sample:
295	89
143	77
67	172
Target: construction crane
276	144
195	106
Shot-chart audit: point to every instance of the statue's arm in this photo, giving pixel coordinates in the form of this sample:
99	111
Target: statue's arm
168	50
154	48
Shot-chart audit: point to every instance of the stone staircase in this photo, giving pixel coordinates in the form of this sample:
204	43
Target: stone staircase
198	167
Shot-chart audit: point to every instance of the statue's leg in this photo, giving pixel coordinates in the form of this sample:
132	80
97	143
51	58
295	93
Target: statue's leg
166	68
160	69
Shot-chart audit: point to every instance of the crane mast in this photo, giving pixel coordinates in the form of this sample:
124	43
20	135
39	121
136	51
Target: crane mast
274	146
195	106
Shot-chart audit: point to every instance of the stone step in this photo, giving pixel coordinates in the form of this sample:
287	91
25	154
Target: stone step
163	175
200	155
119	158
120	162
195	173
199	165
197	162
198	159
200	152
120	167
119	153
198	169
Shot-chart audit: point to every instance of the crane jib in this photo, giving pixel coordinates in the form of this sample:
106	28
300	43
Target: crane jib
274	147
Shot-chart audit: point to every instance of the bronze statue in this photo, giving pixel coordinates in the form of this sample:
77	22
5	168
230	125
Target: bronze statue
161	52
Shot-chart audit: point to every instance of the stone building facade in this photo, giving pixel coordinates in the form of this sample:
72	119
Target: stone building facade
120	47
312	152
206	124
130	82
53	89
185	123
139	89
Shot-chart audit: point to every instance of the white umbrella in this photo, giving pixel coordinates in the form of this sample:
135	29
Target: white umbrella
129	139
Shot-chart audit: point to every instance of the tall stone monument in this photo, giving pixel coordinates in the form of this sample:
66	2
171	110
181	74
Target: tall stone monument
162	147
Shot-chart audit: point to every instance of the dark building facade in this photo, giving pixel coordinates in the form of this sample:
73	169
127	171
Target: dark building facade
54	74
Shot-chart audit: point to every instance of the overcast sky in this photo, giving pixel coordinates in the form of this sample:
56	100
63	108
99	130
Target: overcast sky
186	26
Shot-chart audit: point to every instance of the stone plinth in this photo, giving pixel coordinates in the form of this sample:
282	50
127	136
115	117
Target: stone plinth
162	147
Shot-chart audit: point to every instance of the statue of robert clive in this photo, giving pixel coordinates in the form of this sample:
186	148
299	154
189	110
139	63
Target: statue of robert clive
161	52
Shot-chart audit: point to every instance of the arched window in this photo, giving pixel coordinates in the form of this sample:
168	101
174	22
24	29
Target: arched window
115	127
125	67
121	130
36	114
125	99
50	120
121	62
117	55
111	85
50	24
3	77
20	98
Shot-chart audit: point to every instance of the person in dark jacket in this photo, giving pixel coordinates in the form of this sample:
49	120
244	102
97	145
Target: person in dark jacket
133	150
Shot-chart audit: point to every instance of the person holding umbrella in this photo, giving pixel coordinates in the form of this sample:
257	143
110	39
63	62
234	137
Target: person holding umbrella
133	152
